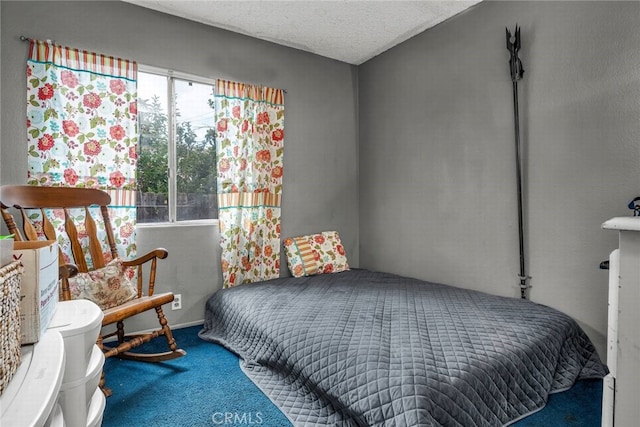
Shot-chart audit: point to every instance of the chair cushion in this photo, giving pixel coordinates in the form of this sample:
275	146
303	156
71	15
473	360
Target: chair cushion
108	286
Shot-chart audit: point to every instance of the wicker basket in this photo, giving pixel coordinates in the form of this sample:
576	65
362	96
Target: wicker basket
10	352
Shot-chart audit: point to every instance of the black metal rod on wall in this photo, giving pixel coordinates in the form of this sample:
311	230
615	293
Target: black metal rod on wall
515	65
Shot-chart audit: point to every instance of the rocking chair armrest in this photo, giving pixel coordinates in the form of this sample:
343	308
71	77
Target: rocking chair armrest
153	256
160	253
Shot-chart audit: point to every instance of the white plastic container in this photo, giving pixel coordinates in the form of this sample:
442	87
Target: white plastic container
31	395
75	397
96	409
56	418
79	322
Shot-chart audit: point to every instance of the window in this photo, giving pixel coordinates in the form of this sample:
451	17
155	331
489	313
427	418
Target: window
176	149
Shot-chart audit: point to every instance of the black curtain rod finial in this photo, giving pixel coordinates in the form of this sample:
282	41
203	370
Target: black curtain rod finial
513	46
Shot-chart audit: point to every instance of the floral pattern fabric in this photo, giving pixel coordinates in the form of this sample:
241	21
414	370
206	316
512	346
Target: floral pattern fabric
301	257
320	253
249	148
82	127
109	286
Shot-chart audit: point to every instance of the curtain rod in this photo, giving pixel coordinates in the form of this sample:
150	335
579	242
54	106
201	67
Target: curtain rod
28	39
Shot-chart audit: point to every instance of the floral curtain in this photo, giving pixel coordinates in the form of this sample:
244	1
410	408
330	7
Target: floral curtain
250	145
82	129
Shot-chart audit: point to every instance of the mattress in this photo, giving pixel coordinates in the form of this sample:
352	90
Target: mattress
365	348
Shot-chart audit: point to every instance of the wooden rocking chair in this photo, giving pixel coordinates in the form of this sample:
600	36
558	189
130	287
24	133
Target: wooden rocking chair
24	198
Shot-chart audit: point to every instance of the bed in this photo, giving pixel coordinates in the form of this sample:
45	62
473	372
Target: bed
365	348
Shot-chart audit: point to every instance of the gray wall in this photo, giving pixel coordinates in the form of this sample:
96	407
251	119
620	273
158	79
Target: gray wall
437	158
432	177
321	121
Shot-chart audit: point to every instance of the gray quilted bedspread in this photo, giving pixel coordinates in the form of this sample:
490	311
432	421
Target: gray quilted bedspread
362	348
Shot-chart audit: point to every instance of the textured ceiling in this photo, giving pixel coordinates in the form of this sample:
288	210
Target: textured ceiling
351	31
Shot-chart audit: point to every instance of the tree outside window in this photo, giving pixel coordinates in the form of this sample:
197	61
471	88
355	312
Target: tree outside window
176	152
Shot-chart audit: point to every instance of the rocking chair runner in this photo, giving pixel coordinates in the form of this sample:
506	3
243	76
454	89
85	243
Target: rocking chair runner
24	198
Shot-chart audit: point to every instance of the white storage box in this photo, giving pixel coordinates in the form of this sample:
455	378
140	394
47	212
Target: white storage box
39	288
75	397
31	395
79	322
56	418
96	409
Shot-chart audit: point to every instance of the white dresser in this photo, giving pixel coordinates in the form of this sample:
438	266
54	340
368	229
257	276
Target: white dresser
621	404
56	384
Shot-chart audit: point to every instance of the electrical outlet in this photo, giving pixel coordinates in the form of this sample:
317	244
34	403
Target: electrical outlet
176	304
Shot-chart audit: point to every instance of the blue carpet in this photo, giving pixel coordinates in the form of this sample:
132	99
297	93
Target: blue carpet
204	388
207	388
580	406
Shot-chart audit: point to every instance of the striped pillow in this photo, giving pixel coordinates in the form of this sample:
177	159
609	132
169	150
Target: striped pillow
315	254
300	257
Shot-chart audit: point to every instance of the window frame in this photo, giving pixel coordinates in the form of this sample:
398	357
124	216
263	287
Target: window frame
171	76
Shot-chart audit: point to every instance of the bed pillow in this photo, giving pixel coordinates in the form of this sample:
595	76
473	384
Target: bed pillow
108	286
315	254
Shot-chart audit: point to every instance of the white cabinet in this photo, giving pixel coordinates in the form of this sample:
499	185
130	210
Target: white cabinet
622	387
609	383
